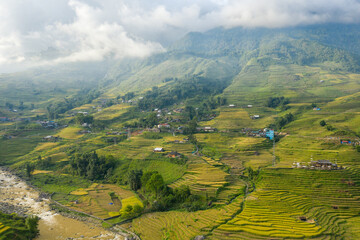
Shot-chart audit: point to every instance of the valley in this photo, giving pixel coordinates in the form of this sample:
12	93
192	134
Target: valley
179	145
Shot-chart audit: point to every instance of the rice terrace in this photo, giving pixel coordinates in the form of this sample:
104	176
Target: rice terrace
217	120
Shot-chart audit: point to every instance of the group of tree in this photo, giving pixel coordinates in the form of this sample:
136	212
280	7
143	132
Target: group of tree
160	197
21	106
44	163
92	166
274	102
148	121
81	118
128	96
194	86
20	227
282	121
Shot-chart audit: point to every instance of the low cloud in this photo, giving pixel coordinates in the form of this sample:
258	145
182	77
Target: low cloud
38	32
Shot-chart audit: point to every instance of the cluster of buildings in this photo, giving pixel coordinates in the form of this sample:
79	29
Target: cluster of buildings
48	124
206	129
317	165
255	132
172	154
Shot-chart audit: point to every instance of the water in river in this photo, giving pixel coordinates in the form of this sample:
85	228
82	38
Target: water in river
17	196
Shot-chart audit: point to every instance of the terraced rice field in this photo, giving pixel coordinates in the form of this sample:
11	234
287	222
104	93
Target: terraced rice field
111	112
3	229
182	225
202	178
70	133
230	118
297	203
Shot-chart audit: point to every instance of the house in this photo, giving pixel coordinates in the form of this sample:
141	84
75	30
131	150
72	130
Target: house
158	149
4	119
249	106
316	109
157	130
347	142
84	131
51	138
206	129
255	117
163	125
178	110
231	105
81	112
174	154
209	129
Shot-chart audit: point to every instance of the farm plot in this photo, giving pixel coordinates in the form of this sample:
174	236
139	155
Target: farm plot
102	200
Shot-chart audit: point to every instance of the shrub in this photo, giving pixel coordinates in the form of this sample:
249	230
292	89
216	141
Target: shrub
322	123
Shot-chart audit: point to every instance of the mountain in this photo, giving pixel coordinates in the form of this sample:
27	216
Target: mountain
223	53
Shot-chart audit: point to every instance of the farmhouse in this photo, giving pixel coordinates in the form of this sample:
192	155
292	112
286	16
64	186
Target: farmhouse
174	154
158	149
232	105
249	106
255	117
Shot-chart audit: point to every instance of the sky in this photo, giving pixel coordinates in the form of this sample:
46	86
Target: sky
42	32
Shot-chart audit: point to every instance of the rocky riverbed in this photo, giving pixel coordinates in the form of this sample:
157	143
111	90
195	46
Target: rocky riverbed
17	197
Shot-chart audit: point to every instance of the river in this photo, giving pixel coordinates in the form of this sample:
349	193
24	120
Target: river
17	196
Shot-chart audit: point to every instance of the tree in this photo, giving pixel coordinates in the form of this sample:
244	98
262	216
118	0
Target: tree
10	106
134	179
191	127
82	118
31	224
29	169
322	123
155	183
190	112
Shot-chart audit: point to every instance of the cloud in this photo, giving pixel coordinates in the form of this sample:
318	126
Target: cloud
37	32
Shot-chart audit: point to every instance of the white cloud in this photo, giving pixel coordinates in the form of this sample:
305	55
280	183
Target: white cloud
35	32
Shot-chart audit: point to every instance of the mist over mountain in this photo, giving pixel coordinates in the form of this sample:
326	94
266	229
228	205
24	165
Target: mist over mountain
36	33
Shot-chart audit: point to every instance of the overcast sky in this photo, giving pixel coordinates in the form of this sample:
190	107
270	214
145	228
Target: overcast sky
37	32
